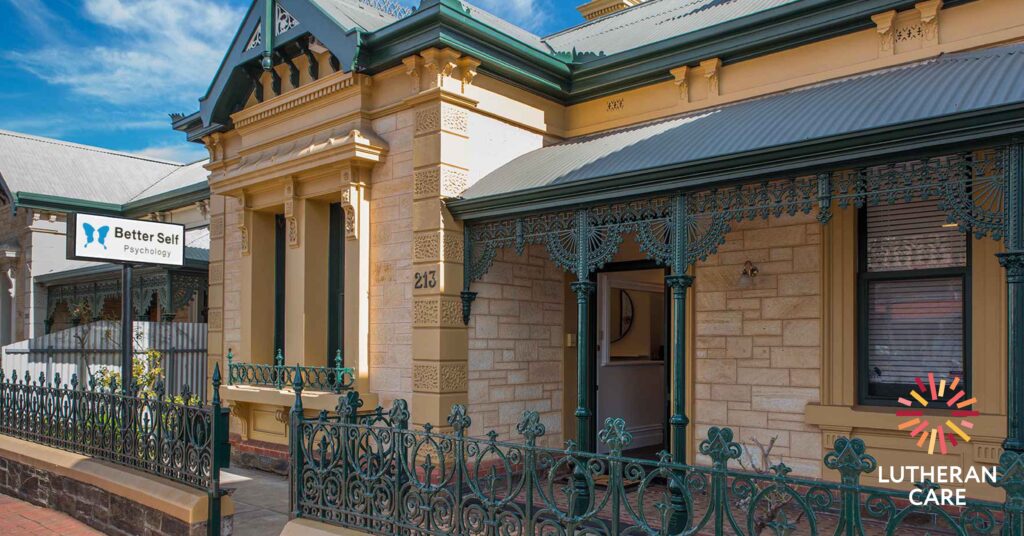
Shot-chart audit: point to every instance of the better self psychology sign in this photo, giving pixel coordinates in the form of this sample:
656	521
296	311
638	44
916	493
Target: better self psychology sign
107	239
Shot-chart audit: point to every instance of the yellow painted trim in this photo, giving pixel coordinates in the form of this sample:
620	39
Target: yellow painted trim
176	500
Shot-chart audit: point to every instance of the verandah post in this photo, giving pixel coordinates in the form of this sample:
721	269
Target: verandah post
295	447
1011	463
679	282
584	289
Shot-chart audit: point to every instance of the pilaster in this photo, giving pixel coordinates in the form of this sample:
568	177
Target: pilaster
307	223
440	345
355	202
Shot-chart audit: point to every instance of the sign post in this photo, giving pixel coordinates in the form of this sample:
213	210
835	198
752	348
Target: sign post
126	242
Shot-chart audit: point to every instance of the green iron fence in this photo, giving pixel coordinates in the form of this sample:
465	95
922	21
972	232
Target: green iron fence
147	431
334	379
376	475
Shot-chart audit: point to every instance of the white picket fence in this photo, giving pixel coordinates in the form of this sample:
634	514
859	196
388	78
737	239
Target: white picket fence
85	349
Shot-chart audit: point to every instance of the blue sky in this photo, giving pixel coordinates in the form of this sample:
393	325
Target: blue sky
107	72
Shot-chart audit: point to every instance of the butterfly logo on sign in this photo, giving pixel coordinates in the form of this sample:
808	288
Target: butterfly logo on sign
98	235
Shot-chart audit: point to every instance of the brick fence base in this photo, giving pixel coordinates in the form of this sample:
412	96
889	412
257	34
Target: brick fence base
98	508
262	455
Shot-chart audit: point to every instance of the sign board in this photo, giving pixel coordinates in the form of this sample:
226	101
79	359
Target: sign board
107	239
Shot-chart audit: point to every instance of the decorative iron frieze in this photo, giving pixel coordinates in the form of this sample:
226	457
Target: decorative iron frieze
971	188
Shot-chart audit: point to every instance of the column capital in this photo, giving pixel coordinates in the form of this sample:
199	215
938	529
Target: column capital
583	288
1013	262
679	282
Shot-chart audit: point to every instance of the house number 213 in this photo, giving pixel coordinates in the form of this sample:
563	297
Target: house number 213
426	279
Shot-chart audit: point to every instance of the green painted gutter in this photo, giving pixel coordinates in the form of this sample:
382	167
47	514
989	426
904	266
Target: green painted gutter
173	199
63	204
958	132
165	201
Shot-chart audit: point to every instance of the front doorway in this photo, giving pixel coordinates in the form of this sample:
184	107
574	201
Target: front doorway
631	379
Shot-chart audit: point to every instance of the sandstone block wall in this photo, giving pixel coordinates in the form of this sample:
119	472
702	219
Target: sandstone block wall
391	239
516	335
758	340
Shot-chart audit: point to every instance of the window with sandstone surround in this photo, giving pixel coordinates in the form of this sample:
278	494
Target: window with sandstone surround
913	297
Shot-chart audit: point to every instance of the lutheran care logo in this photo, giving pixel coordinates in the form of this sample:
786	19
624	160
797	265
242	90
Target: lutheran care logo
940	434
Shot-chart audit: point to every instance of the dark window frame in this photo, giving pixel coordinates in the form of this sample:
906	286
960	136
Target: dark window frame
864	278
280	245
336	285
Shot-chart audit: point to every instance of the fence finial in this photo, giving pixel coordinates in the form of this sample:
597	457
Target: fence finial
56	380
231	357
297	387
279	358
74	380
216	384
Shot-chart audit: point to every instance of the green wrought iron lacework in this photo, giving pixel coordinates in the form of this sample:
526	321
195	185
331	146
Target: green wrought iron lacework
382	477
334	379
174	290
148	432
969	187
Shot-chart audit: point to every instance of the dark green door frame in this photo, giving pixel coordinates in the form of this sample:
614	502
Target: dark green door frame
630	266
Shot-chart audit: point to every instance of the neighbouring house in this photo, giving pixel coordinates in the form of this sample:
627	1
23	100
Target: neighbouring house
776	216
49	304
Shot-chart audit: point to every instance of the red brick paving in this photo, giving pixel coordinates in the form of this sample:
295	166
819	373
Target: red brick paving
19	518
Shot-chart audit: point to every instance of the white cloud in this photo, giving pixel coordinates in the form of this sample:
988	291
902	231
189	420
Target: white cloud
183	152
525	13
153	52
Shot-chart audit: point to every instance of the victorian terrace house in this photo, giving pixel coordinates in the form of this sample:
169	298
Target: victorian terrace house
771	218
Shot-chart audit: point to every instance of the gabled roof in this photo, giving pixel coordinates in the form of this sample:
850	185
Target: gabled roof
866	102
39	168
335	23
630	48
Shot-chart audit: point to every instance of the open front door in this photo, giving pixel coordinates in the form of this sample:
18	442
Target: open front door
632	347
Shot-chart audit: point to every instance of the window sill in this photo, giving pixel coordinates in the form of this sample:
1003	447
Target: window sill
884	419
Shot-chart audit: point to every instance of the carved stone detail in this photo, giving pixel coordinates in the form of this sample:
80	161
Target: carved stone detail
428	120
467	70
442	181
884	23
216	273
217	226
680	74
244	225
440	377
215	319
291	222
433	246
454	119
929	11
712	72
437	311
440	64
414	68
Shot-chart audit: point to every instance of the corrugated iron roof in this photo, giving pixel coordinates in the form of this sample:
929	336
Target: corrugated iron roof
653	21
942	86
350	14
37	165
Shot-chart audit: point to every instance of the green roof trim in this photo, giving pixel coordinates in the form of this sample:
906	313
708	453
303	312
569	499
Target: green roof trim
56	203
157	203
568	76
939	135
